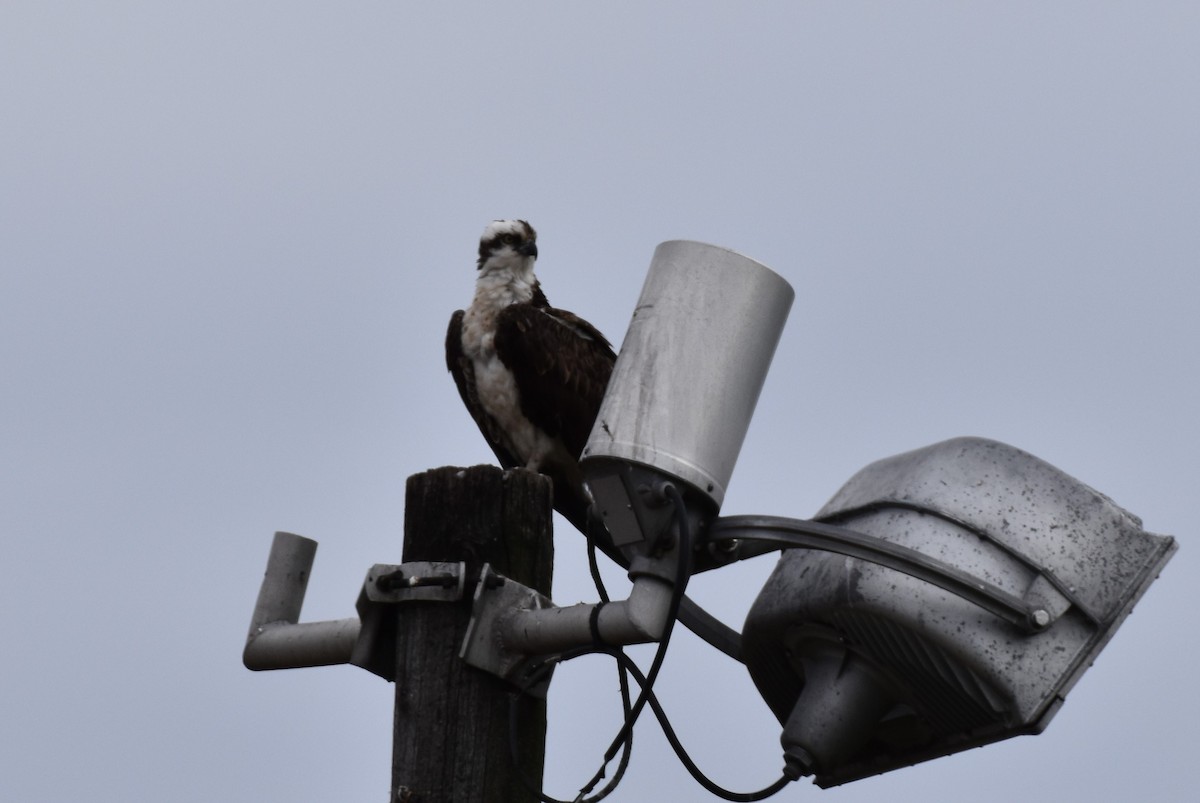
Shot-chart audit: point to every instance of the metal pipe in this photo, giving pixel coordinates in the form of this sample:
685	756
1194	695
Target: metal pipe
640	619
804	534
275	640
291	646
281	595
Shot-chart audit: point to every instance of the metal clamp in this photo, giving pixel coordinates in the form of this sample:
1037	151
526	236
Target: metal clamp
430	581
496	599
388	585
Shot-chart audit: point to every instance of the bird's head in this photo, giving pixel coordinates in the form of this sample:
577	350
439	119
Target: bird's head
508	245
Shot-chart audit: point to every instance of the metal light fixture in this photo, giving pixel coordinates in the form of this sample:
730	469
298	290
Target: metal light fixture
945	598
870	668
684	389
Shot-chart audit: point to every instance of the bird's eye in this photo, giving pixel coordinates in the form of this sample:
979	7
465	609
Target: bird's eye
508	239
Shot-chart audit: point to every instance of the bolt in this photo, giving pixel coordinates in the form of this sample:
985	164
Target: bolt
728	546
1041	618
391	581
442	580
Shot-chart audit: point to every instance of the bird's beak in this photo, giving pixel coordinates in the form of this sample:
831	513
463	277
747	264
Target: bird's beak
528	249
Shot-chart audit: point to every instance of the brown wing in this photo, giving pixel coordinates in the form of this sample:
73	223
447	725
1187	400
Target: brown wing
561	364
464	377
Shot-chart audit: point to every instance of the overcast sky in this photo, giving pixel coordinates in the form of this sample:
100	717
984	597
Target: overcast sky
231	235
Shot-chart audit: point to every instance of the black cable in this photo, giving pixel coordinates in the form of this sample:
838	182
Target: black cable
624	738
622	680
668	731
533	678
661	715
538	673
683	570
626	752
594	568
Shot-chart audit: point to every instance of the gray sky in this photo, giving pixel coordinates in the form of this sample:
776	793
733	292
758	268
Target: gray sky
231	235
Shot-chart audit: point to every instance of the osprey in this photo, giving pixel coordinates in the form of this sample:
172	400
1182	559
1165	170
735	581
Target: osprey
532	376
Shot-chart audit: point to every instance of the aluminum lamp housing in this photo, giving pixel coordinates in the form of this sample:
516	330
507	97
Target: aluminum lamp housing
688	377
870	669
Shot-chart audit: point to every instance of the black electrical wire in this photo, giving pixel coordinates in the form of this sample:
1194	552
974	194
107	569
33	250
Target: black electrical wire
540	671
668	731
594	568
624	739
696	773
623	681
683	572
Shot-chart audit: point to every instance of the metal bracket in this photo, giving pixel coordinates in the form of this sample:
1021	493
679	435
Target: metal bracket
431	581
496	598
277	639
1028	615
388	585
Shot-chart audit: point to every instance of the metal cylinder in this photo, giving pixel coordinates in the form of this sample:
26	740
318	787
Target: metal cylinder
693	362
281	595
276	640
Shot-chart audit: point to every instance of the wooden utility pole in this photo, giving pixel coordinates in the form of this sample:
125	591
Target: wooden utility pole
451	737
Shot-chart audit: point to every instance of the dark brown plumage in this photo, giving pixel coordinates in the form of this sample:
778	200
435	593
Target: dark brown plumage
531	376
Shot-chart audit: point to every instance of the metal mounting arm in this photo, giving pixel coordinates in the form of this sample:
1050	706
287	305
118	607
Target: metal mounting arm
511	623
640	619
804	534
276	639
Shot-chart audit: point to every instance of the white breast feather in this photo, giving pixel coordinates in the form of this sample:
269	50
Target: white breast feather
494	382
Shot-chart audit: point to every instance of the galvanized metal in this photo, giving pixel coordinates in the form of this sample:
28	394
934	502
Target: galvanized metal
388	585
802	534
511	623
281	595
428	581
278	640
691	367
1091	549
833	628
640	619
293	646
275	640
496	599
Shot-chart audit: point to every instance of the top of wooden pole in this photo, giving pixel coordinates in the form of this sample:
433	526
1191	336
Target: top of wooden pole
483	514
